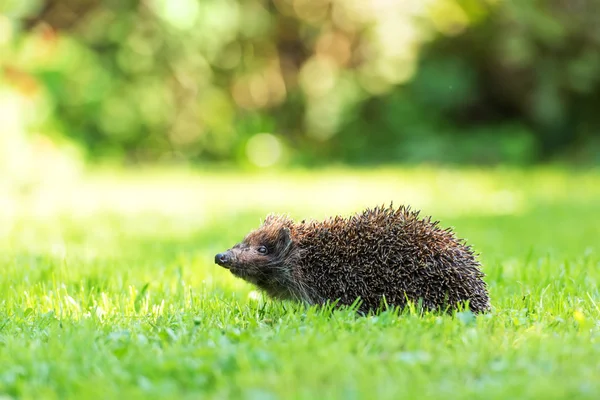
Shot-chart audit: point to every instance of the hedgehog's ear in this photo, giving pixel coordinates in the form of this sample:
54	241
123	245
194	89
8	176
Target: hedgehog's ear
285	236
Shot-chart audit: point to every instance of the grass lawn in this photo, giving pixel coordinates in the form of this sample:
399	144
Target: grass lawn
108	290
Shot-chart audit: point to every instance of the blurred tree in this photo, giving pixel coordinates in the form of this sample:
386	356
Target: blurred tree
539	63
445	81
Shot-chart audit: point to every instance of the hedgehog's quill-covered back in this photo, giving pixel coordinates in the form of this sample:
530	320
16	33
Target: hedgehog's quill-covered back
380	253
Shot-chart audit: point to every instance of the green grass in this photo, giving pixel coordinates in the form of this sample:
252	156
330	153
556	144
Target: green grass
109	290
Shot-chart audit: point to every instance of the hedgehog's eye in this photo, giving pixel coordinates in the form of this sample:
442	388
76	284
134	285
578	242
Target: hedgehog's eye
263	250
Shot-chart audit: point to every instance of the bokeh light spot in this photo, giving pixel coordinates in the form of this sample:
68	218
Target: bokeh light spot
264	150
318	76
448	17
6	30
180	13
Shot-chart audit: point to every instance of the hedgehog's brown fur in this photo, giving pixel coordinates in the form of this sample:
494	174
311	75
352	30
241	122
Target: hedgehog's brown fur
380	253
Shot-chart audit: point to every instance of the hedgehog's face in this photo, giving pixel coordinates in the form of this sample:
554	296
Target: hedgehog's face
259	259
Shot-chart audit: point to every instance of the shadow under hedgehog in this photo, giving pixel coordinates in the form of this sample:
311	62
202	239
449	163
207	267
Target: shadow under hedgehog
378	253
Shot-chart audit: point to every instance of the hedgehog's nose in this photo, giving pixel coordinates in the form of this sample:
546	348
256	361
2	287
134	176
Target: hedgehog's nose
222	259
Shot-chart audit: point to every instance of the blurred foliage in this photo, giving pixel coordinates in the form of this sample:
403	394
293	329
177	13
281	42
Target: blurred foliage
305	81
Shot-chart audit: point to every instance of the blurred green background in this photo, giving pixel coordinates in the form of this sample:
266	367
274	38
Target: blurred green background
252	83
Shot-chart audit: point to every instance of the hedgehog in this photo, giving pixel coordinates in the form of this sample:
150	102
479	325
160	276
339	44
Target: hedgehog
381	257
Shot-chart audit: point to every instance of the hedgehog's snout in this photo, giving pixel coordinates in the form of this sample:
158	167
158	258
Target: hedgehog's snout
223	259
